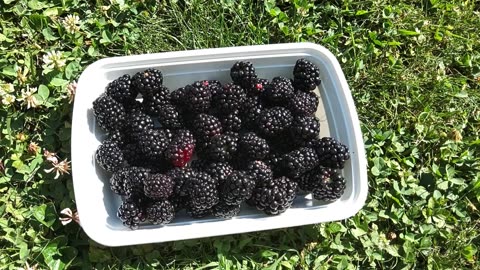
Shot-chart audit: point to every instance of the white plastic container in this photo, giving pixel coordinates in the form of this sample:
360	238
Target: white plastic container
97	204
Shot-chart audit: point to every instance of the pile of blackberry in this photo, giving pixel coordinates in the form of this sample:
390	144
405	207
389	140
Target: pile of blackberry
210	149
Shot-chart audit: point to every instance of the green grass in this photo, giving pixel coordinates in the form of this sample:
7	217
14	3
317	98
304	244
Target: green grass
414	71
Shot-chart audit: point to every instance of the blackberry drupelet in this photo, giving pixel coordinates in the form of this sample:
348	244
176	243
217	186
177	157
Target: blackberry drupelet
231	121
305	128
329	186
131	214
160	212
300	161
257	87
303	103
153	142
275	196
147	81
155	100
121	91
230	98
198	98
206	126
237	188
202	191
177	97
170	117
218	170
306	75
259	171
158	186
273	121
243	73
180	150
109	156
222	210
252	109
109	113
253	147
137	123
180	177
278	92
222	148
331	152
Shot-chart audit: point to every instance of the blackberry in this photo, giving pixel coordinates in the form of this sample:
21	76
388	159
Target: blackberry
223	210
257	87
278	92
232	121
197	212
259	171
153	143
273	121
177	97
275	196
305	182
109	113
202	191
252	109
121	91
128	181
300	161
303	103
180	177
243	73
218	170
131	214
160	212
206	126
306	75
155	100
158	186
237	188
305	128
331	152
222	147
109	156
329	186
138	122
230	98
147	81
180	150
253	147
170	117
198	98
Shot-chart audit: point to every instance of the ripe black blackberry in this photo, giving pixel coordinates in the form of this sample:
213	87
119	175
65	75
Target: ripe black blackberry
160	212
305	128
147	81
202	191
328	185
128	181
131	213
230	98
303	103
231	121
243	73
181	148
177	97
221	148
305	182
218	170
278	92
198	98
259	171
222	210
120	90
180	177
257	87
158	186
300	161
275	196
206	126
153	142
170	117
109	114
109	156
253	147
155	100
331	152
137	123
250	112
237	188
273	121
306	75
